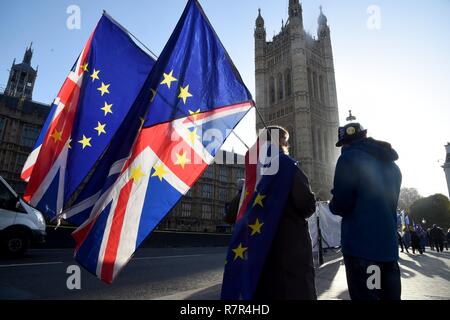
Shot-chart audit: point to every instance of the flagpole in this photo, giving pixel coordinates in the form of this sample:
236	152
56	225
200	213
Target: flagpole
131	34
239	138
156	57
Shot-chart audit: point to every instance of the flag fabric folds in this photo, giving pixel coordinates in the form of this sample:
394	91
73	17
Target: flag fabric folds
92	104
196	98
262	203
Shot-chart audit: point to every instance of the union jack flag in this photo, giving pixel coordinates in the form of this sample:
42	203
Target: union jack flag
197	98
90	108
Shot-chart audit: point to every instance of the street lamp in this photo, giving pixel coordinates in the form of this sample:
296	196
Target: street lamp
423	221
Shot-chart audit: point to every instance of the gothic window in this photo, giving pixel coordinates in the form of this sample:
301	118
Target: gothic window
325	146
321	89
20	161
316	87
272	90
206	212
2	127
223	174
319	144
186	209
288	83
314	142
29	136
222	194
207	191
310	88
208	173
280	86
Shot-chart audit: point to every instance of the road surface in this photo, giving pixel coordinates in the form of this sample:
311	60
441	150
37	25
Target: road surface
192	273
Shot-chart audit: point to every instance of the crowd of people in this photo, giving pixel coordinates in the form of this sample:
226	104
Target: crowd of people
417	238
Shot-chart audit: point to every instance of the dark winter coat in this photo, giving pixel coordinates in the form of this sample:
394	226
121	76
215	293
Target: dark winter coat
289	269
366	190
437	234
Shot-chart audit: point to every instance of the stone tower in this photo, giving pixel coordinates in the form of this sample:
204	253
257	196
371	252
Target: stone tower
446	166
296	88
22	77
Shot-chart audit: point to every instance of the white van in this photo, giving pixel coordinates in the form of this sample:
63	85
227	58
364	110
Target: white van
20	224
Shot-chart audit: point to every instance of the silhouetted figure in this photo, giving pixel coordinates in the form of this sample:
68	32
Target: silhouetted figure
430	240
365	193
438	237
400	242
415	241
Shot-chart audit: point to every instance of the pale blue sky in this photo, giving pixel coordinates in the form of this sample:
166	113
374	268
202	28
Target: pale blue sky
396	79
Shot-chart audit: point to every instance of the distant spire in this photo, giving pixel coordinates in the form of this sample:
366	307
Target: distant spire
322	20
259	19
28	54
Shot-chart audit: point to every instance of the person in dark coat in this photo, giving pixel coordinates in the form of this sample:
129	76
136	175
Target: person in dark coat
415	241
401	243
438	237
366	191
430	240
288	273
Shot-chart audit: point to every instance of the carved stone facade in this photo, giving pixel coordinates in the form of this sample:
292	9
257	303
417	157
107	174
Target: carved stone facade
21	120
296	88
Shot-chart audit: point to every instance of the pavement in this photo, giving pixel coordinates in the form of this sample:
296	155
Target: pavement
194	274
424	277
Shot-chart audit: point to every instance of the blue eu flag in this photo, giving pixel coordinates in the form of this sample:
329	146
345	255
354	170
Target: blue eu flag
253	233
111	76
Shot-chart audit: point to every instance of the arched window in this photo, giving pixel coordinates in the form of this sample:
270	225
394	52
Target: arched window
316	87
321	89
310	87
272	90
314	143
288	83
319	144
280	86
325	146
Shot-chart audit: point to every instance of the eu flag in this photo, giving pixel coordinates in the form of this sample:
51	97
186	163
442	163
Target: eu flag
93	103
195	97
255	229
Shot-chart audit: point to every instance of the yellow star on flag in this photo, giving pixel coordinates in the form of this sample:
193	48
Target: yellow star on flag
258	200
168	79
194	114
239	252
193	136
160	172
85	67
256	227
86	142
182	159
104	88
184	93
136	174
94	75
68	143
56	135
100	128
107	108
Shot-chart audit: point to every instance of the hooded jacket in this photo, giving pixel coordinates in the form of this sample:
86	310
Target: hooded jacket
366	190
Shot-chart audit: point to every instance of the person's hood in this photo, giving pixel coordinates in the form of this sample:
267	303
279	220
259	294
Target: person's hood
379	149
